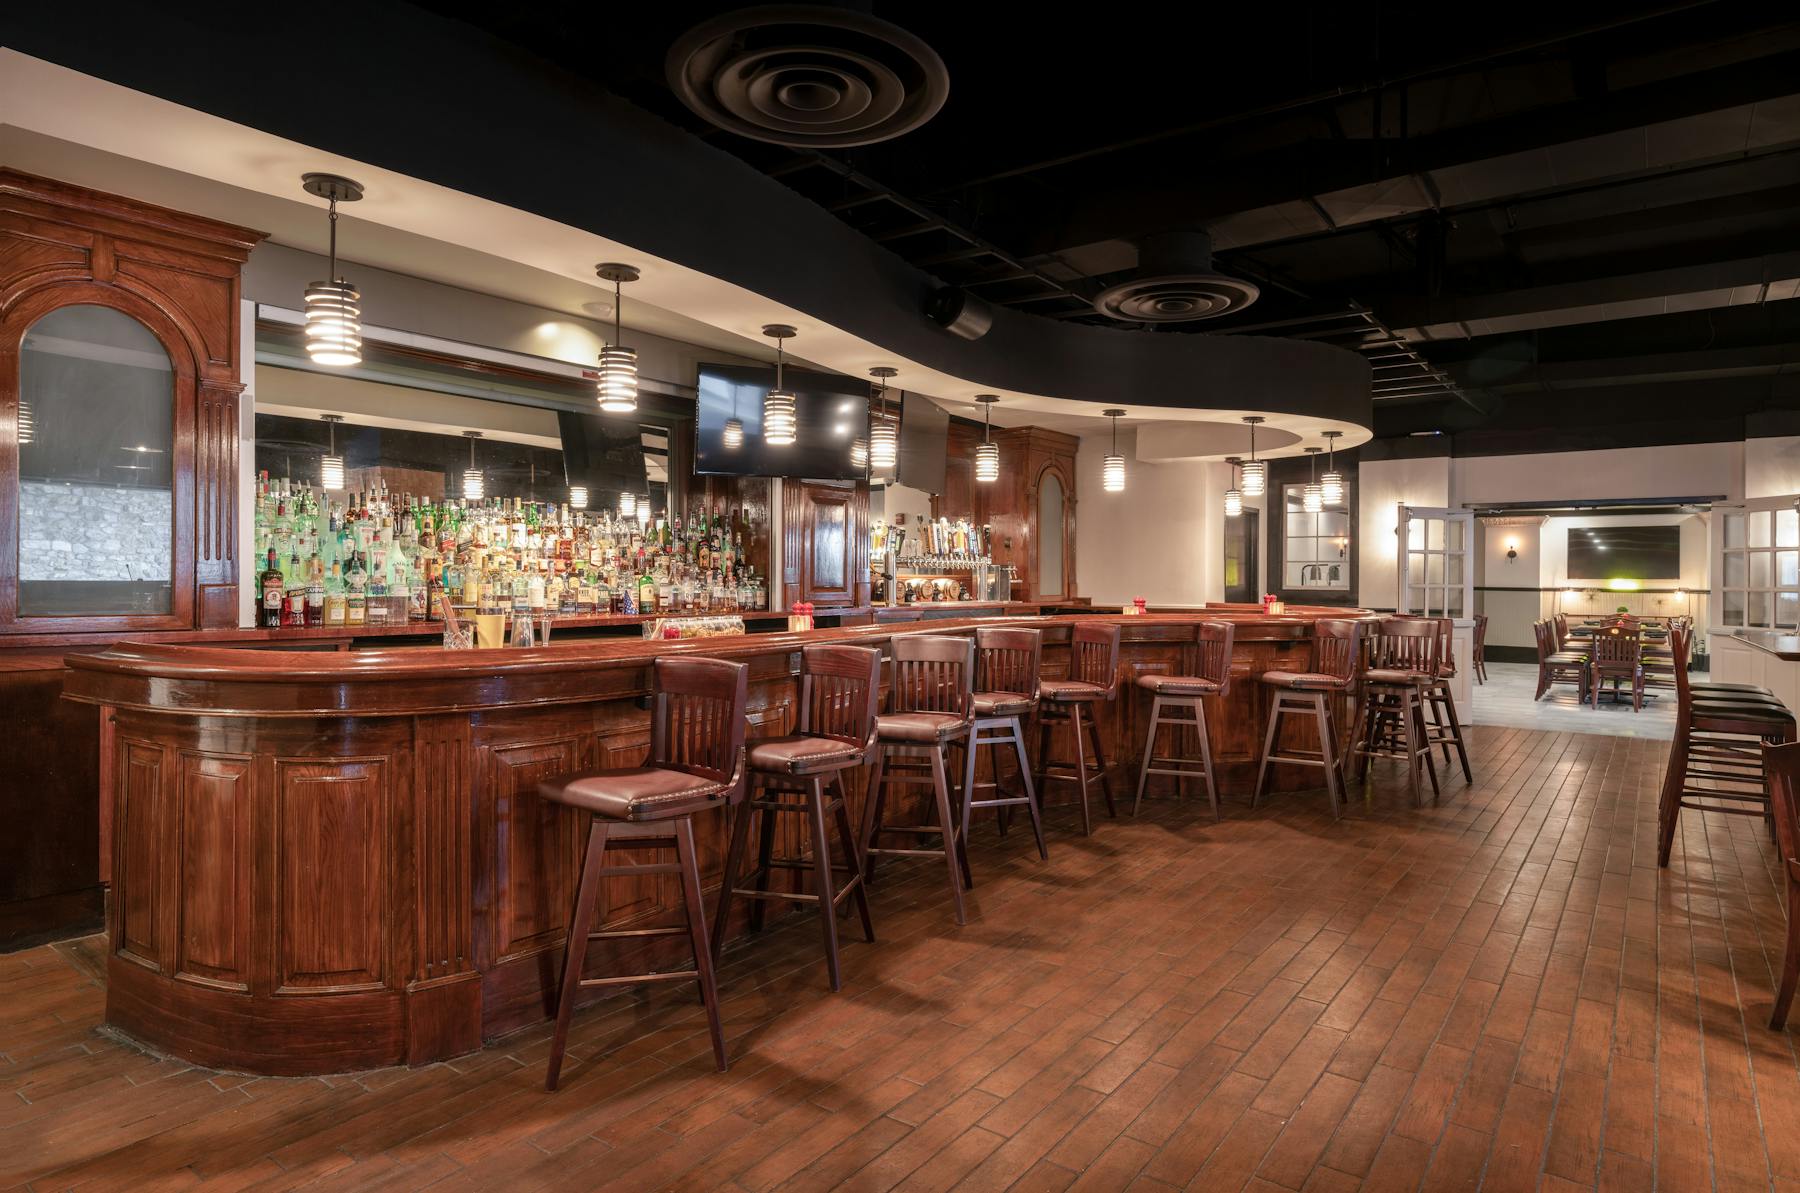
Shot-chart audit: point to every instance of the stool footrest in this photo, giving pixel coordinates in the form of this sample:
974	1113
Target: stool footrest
628	979
634	871
905	852
630	933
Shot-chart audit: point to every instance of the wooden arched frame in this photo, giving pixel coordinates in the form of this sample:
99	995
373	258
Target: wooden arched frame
20	318
179	277
1066	479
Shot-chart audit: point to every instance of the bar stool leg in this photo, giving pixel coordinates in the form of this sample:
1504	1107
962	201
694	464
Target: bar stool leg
1081	770
1674	782
951	826
1334	782
940	788
696	918
734	866
1462	749
1425	745
971	755
847	842
823	878
1031	795
1409	714
1212	786
765	853
1093	724
580	924
872	814
1156	704
1276	708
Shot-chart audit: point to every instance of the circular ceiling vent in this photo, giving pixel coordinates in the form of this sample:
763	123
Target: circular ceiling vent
809	76
1174	283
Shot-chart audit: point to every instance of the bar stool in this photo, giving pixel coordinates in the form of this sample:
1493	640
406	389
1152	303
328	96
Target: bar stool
1782	765
1093	679
1718	742
1210	675
840	690
1006	679
1390	703
1445	730
930	710
1336	651
696	762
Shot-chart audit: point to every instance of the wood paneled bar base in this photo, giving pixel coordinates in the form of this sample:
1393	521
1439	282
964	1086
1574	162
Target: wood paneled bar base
325	862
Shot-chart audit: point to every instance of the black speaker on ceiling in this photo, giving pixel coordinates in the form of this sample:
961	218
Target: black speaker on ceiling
959	313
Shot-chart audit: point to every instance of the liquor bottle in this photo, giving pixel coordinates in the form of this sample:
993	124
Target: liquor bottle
336	613
294	614
315	592
274	593
356	597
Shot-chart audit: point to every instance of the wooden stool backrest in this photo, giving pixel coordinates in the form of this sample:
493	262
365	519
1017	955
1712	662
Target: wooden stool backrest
1094	655
697	718
840	693
1212	652
932	674
1408	644
1008	660
1337	647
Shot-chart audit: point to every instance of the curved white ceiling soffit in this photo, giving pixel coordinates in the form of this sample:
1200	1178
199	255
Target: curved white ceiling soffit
461	139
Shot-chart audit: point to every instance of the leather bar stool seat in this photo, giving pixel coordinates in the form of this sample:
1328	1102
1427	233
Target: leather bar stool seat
802	754
696	763
802	774
1395	675
1208	662
1073	691
1305	681
929	728
1003	704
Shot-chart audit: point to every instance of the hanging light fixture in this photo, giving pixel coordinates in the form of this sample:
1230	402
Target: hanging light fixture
578	497
884	431
987	453
1234	497
1331	485
859	453
643	509
781	422
1112	469
1255	472
331	465
474	488
628	505
27	423
333	306
617	385
1312	497
733	435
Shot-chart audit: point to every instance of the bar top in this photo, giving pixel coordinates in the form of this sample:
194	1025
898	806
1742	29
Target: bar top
1783	646
221	681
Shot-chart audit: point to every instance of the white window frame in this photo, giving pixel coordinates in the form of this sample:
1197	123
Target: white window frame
1423	596
1755	565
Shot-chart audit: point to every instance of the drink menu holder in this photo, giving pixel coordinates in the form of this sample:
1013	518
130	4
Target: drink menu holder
679	628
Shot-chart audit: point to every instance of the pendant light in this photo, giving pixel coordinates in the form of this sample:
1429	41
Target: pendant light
1312	497
578	497
628	505
859	452
643	509
331	465
617	386
1234	497
1332	483
1112	469
1255	472
474	488
333	306
27	423
781	423
884	433
733	435
987	453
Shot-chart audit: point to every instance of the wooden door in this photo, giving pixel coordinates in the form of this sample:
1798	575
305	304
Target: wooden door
826	542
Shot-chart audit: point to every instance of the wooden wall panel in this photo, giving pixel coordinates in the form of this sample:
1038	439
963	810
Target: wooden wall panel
537	844
142	850
215	809
331	824
442	849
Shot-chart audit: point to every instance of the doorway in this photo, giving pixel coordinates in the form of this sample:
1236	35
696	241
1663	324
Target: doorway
1242	533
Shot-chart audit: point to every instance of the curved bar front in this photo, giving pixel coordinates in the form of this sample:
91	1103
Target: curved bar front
330	862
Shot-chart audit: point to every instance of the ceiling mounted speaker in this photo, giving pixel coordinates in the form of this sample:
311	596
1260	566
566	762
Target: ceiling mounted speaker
1175	283
959	313
809	76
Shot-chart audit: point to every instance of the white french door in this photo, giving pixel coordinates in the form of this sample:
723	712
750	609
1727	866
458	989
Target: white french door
1436	579
1756	565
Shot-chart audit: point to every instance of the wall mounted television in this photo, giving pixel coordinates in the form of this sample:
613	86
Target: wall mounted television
604	453
833	414
1624	553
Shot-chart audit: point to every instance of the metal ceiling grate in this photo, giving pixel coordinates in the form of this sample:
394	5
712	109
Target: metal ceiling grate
1398	372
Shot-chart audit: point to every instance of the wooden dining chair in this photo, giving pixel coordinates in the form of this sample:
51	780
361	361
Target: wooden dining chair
1782	766
1617	655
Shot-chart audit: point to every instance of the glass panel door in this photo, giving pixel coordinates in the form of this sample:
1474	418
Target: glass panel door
1436	577
1756	563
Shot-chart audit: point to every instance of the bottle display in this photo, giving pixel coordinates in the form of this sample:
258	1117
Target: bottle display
371	557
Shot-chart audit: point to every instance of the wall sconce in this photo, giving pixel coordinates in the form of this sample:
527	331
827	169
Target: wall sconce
1512	549
1681	594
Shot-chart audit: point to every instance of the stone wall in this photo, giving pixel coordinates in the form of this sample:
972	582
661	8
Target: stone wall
92	532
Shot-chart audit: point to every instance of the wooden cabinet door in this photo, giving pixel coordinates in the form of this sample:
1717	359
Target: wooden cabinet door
827	542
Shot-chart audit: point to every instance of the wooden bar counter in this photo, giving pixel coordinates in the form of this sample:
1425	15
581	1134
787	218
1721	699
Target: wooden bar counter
324	862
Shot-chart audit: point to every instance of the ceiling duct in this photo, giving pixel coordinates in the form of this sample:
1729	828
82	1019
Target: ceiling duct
809	76
1175	283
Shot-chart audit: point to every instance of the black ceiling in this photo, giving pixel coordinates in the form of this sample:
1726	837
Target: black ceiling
1535	217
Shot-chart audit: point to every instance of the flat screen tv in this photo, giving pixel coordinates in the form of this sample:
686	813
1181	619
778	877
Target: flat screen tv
832	409
924	444
1625	553
605	454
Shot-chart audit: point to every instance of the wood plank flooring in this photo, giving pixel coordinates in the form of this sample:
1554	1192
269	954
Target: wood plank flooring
1498	992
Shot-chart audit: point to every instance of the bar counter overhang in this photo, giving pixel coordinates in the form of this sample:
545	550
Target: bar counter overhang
331	862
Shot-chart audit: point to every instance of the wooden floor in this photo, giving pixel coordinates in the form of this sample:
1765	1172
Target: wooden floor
1498	992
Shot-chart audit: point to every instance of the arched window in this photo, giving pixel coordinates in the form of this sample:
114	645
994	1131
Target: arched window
96	467
1050	537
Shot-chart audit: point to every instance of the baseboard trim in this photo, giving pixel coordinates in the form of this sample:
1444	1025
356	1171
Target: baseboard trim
28	922
1509	654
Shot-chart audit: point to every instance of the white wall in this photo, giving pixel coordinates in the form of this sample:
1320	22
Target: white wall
1772	466
1385	485
1162	539
1684	470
